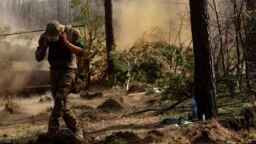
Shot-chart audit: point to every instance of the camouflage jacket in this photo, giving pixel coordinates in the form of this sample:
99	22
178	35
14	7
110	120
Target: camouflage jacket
59	55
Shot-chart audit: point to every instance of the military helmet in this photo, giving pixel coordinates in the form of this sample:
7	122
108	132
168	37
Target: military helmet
53	30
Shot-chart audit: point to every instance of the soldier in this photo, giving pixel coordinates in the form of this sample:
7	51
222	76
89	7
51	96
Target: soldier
63	49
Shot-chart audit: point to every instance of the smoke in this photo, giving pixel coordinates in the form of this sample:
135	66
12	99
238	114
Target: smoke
150	20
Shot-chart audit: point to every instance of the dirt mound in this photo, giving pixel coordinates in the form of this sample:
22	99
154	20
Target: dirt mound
211	132
90	116
246	120
89	96
110	105
156	132
151	102
122	138
231	123
153	136
132	138
83	107
136	89
249	117
63	136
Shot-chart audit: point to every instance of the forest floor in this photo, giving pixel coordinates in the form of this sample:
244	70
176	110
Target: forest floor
22	120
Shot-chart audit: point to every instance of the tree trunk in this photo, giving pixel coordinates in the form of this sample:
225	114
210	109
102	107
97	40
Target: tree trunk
205	90
250	42
109	31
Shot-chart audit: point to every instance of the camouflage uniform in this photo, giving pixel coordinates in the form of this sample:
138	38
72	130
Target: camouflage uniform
62	74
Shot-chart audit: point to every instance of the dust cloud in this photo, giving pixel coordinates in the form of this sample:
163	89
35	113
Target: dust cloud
134	21
32	106
150	20
18	67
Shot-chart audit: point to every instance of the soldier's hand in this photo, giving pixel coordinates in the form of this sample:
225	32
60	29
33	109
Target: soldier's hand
43	42
63	35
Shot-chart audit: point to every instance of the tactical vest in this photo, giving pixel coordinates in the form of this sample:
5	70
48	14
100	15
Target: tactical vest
60	56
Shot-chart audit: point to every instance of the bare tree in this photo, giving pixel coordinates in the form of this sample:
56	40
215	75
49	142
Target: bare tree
220	37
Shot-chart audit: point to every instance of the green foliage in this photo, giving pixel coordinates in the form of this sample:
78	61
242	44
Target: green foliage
148	68
117	60
142	64
119	68
181	83
226	87
164	65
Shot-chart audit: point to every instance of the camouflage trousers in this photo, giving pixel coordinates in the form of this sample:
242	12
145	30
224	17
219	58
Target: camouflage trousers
61	82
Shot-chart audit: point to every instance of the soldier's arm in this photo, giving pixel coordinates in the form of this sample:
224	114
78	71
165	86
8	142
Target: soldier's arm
41	49
78	50
75	49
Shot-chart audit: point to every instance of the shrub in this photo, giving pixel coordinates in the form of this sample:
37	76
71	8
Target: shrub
159	63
